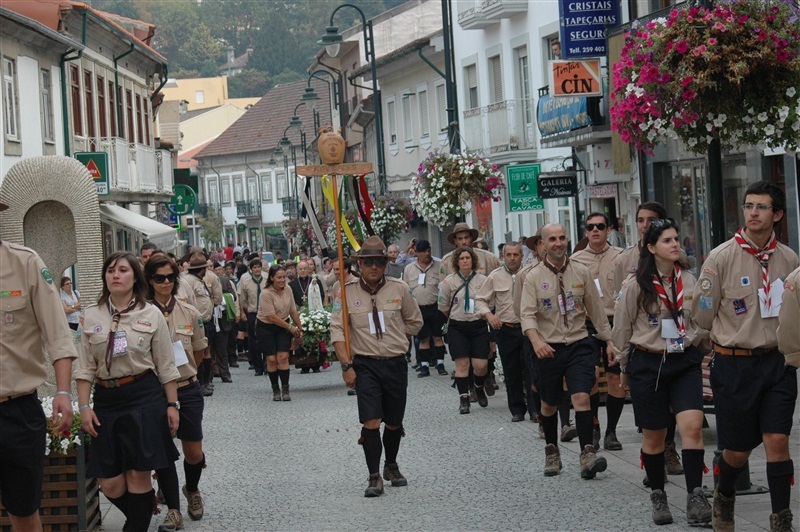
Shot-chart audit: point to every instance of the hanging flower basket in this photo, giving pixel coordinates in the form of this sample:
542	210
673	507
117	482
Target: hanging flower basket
446	182
731	73
390	217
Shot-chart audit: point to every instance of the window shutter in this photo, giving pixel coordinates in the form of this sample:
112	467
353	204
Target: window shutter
422	100
497	79
441	107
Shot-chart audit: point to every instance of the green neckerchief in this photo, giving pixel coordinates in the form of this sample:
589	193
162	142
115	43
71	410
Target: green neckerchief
466	289
258	292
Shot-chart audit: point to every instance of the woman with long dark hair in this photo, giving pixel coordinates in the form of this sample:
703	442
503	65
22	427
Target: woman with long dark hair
660	359
274	332
127	354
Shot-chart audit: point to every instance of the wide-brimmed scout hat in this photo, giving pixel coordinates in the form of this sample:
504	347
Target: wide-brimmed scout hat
197	261
460	228
531	241
372	247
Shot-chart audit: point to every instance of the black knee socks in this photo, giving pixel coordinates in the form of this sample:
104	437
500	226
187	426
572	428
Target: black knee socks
693	468
779	479
584	422
371	442
550	427
441	352
424	356
670	437
594	406
726	477
462	384
391	443
121	502
654	467
193	472
273	378
284	375
168	484
614	407
563	411
480	380
140	511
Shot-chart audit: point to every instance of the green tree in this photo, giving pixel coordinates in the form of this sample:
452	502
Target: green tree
249	84
173	19
211	226
200	48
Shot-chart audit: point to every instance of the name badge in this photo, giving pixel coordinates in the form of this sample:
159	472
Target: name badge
120	344
179	353
470	306
599	289
669	329
421	279
776	296
567	305
372	328
675	345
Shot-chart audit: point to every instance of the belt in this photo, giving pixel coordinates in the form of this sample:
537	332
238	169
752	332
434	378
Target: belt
432	305
12	397
116	383
187	382
379	358
741	352
640	348
512	325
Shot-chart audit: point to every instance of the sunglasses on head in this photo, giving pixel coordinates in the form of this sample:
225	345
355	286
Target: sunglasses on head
374	262
601	226
161	279
663	222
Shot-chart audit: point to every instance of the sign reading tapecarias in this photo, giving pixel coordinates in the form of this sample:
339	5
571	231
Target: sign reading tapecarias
583	26
575	78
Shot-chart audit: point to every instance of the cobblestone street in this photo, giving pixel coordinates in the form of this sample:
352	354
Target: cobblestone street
296	466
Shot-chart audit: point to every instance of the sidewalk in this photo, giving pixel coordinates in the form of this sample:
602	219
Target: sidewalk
297	466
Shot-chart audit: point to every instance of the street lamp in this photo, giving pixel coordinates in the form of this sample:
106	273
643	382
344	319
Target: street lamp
332	41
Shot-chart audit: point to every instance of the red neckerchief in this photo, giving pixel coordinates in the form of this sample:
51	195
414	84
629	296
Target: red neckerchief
560	274
373	294
674	306
762	256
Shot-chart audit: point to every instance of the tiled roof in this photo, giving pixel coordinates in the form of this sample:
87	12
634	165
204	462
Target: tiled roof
238	62
261	127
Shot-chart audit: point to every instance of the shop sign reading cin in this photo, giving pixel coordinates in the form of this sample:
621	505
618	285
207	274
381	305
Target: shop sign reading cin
575	78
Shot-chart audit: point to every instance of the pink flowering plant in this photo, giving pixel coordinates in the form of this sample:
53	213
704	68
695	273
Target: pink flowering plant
447	182
731	72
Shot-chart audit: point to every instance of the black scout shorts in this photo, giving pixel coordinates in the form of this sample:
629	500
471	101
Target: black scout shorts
271	339
190	427
381	388
753	395
575	362
23	428
432	322
468	339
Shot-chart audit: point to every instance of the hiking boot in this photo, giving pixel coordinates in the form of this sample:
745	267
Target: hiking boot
473	395
351	391
552	461
722	512
596	437
463	404
424	371
375	486
480	393
194	504
781	521
285	393
440	369
591	464
611	443
698	509
672	460
392	473
276	394
568	433
661	513
490	385
208	391
173	521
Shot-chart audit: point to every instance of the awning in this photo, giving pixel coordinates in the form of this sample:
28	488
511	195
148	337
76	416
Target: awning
164	236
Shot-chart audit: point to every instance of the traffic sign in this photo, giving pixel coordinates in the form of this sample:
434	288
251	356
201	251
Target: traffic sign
523	192
183	201
97	164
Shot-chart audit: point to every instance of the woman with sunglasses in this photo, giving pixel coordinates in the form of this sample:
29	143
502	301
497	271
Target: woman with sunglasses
274	332
127	354
189	341
467	331
660	359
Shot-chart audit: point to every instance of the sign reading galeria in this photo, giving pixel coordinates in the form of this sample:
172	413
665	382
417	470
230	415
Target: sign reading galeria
523	193
558	185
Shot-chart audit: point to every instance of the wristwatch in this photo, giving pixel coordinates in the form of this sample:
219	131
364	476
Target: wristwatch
176	405
623	370
345	367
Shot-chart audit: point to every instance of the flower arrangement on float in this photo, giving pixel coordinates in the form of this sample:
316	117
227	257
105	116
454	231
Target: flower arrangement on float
730	72
447	182
316	326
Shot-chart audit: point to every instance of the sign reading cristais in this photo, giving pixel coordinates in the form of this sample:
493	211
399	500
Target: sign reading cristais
583	26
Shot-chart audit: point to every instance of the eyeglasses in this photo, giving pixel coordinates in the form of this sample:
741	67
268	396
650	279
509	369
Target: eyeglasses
380	263
600	226
161	279
760	207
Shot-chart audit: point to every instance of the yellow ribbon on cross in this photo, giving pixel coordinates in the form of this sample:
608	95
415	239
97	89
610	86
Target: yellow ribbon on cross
328	191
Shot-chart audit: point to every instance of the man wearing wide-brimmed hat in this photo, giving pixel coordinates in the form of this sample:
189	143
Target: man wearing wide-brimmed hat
208	293
382	316
464	235
33	321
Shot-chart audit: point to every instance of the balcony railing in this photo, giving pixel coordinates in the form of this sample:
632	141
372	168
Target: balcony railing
289	205
501	126
247	209
473	128
473	18
497	9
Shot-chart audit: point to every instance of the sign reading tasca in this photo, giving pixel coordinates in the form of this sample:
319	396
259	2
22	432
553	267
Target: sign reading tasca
523	194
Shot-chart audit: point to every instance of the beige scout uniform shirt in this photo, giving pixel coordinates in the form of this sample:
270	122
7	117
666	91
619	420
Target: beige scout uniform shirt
186	327
487	262
789	320
149	345
336	289
519	287
207	292
273	303
633	326
627	262
248	292
33	320
499	291
402	319
726	295
185	293
540	309
601	266
427	293
452	302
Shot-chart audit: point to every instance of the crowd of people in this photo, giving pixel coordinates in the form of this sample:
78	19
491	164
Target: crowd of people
164	327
